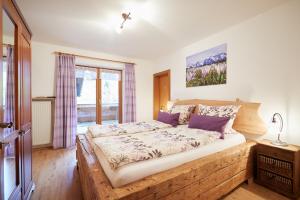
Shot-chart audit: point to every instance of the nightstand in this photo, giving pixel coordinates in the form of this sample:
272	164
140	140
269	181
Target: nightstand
278	168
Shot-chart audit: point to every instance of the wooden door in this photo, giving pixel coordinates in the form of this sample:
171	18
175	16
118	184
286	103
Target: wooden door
25	119
161	85
15	142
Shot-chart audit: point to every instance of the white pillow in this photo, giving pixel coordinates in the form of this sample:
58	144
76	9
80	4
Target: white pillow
221	111
185	112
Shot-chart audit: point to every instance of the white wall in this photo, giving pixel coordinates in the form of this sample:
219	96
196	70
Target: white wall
263	58
43	74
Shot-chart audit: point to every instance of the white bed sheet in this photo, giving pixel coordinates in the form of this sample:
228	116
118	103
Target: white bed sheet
136	171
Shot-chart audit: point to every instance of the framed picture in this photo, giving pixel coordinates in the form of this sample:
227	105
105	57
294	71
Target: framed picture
207	68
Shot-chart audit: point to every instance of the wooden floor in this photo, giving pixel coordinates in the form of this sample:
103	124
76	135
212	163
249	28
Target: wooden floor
56	177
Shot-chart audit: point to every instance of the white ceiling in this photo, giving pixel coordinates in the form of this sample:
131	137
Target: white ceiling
158	26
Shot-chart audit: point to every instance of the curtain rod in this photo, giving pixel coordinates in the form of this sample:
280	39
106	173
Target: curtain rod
94	58
93	67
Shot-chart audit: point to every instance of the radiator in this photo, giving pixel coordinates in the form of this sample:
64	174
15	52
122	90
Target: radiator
42	122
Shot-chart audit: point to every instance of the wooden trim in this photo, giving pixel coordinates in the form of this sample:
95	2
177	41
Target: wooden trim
216	175
121	100
98	98
11	7
95	58
162	73
156	97
22	17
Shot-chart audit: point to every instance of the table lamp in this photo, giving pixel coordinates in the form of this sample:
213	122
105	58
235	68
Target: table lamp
277	118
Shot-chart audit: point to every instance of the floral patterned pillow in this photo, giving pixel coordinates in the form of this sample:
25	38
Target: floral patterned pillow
221	111
185	112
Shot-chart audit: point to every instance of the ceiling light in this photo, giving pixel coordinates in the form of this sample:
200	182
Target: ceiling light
125	18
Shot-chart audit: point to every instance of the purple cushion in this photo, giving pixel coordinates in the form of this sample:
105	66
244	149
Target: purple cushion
209	123
168	118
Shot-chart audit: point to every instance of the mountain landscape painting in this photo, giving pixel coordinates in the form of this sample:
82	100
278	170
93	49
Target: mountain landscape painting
207	68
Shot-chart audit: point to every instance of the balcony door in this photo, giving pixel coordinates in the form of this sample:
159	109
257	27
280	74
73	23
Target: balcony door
99	96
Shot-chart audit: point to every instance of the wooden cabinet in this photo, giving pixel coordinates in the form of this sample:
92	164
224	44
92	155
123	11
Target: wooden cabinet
15	105
278	168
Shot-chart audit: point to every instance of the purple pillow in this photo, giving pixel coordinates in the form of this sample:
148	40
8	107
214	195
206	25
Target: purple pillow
209	123
168	118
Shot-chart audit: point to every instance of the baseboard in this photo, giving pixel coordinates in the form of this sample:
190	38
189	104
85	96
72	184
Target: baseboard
41	146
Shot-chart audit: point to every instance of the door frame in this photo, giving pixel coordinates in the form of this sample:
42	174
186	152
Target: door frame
156	97
98	92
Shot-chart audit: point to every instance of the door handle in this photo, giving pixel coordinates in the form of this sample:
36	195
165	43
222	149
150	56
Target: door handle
6	125
21	132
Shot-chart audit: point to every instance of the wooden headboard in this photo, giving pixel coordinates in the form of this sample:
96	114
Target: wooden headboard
247	119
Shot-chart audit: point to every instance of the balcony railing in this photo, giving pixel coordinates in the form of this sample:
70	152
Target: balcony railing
87	112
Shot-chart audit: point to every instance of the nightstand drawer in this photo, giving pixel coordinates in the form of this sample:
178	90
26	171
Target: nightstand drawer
275	181
281	167
276	153
278	168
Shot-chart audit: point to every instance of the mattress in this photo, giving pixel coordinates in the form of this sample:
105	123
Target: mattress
136	171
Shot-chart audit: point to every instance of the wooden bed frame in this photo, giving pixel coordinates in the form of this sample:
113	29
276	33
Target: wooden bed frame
210	177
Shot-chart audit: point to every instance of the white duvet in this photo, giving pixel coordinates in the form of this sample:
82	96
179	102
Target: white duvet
138	170
126	128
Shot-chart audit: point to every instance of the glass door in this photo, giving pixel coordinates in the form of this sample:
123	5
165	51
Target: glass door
86	79
9	135
110	96
99	97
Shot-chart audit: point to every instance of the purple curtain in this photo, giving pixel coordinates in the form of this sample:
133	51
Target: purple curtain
65	105
129	110
9	111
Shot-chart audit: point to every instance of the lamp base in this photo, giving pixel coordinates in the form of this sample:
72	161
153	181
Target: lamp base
279	143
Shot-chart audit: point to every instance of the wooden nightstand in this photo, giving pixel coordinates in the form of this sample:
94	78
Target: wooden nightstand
278	168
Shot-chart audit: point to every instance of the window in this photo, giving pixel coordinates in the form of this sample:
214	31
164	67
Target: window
99	97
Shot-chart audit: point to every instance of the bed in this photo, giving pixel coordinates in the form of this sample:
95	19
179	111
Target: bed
208	174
